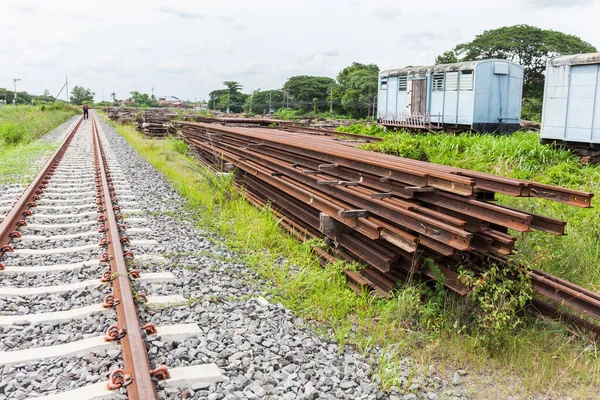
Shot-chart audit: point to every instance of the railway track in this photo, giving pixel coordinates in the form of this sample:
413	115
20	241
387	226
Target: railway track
65	248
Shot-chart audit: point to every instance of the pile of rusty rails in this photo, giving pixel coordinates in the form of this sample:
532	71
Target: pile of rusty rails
157	123
240	121
122	115
152	122
391	213
346	137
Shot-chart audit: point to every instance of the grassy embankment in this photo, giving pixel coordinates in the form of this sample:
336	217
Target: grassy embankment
427	324
20	129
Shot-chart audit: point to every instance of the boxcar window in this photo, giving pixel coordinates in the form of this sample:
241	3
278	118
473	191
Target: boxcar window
383	83
451	80
466	80
438	81
402	83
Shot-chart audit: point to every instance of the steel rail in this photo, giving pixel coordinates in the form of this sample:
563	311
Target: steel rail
20	209
427	226
139	383
445	178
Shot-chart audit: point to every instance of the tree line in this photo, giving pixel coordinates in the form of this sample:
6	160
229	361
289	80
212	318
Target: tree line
353	93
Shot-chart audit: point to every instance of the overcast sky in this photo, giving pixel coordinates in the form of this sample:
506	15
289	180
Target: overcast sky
187	48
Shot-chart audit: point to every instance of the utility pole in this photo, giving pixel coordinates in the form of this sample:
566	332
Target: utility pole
270	106
67	83
251	94
374	102
330	101
16	96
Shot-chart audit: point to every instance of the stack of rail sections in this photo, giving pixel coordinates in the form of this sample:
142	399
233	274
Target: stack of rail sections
387	212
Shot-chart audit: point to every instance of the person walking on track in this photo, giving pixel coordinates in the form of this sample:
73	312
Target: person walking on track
85	111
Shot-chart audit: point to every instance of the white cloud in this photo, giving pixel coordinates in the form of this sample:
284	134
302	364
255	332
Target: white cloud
226	18
387	13
181	13
330	53
175	67
559	3
141	45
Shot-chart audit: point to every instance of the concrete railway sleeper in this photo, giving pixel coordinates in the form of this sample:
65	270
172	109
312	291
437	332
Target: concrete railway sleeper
68	225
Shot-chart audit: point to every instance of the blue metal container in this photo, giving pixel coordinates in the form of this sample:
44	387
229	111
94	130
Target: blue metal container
484	96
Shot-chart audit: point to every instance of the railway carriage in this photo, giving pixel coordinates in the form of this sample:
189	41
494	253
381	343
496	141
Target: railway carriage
484	96
571	109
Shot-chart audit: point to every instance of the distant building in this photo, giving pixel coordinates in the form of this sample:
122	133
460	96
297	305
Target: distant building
484	96
170	101
127	102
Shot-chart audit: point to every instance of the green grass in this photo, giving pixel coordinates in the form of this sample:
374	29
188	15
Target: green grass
426	324
17	163
20	128
24	124
291	114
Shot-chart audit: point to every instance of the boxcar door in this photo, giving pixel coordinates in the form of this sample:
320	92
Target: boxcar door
581	101
418	100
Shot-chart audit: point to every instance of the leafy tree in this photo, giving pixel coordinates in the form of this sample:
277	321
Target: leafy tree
449	57
214	98
143	99
80	95
358	88
302	89
113	95
527	45
261	99
231	98
46	92
233	86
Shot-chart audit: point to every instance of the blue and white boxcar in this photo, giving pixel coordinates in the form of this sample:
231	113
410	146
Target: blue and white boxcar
484	96
571	111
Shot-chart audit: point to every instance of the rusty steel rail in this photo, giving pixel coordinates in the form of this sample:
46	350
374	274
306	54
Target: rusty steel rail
388	212
449	179
136	374
20	209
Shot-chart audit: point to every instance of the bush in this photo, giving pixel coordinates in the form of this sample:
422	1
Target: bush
180	146
362	129
400	146
531	109
12	133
